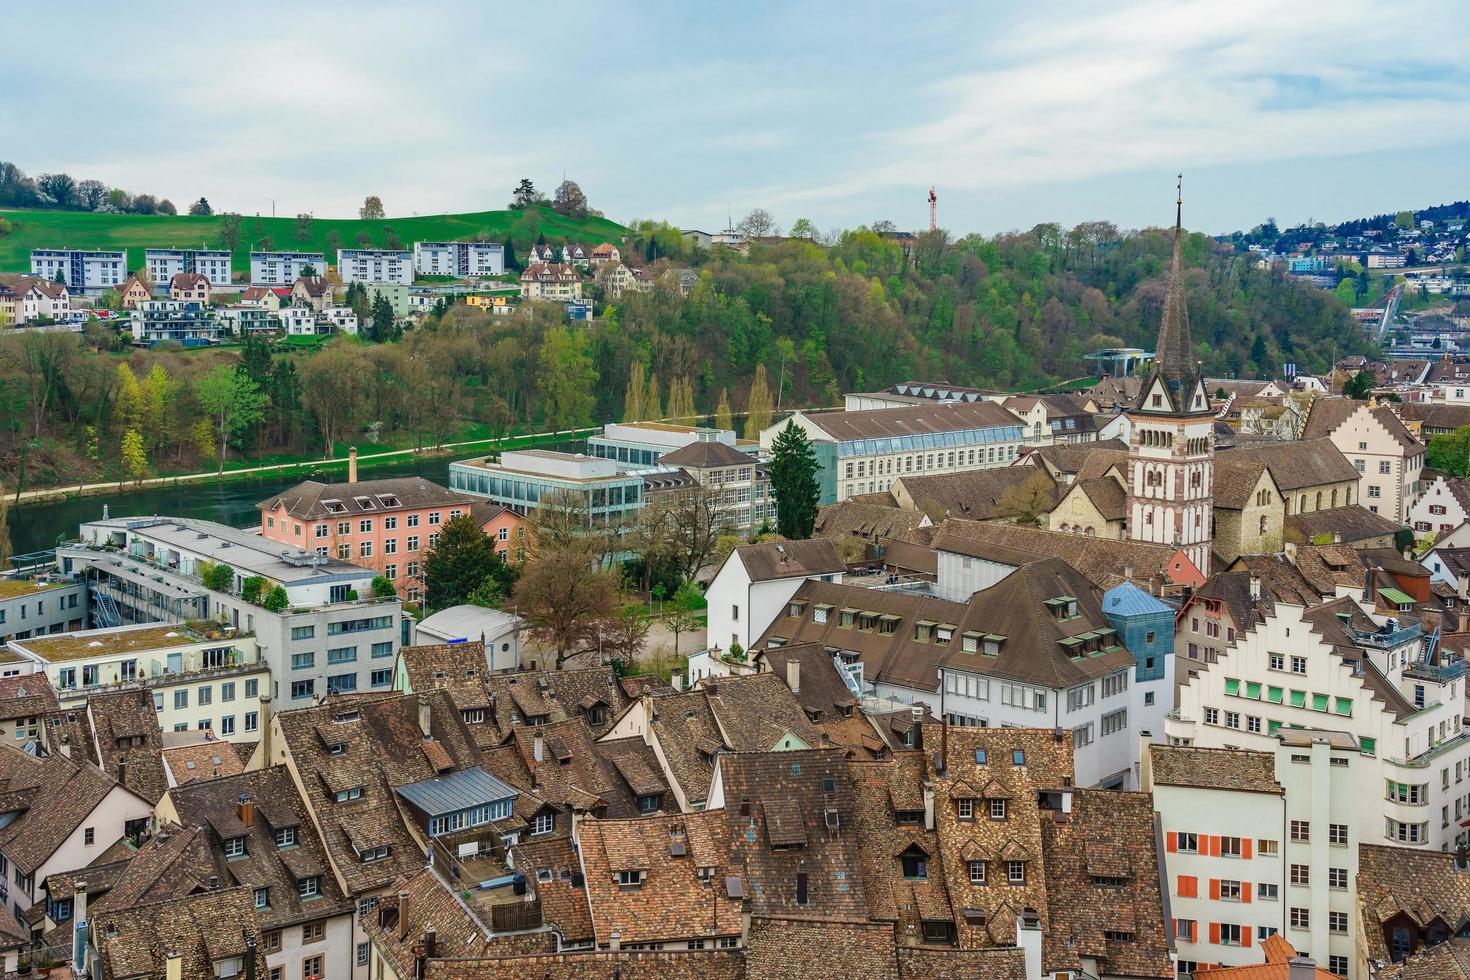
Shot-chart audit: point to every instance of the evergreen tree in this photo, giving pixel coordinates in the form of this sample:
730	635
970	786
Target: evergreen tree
463	562
794	488
724	418
384	327
758	404
633	400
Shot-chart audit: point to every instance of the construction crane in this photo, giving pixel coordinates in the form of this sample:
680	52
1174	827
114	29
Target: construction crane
933	209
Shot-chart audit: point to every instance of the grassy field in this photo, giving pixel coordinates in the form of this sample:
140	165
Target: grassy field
135	232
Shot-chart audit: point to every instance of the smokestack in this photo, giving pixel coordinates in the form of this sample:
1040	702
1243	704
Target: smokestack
352	464
1462	587
431	943
424	725
250	956
173	965
793	675
265	730
403	915
1301	968
246	810
538	749
1369	584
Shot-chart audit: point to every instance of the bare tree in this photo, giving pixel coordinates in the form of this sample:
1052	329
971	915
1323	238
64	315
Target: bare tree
697	521
372	208
758	224
563	595
680	621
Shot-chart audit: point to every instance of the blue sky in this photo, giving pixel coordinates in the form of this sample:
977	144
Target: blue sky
843	113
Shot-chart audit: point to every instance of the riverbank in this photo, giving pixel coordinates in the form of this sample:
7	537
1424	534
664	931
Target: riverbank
301	468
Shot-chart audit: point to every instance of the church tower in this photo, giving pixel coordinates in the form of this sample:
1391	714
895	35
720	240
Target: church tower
1171	452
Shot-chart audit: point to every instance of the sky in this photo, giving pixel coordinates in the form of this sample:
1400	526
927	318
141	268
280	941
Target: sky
842	113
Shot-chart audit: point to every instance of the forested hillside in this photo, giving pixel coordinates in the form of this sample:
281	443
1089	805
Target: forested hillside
1017	311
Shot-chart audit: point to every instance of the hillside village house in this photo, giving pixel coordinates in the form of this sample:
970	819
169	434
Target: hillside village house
375	265
1387	456
605	254
260	297
383	525
754	584
165	263
133	293
551	282
189	287
312	292
33	298
1443	506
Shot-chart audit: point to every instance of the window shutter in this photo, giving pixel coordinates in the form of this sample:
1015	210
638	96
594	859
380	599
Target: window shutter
1245	936
1245	892
1188	886
1215	933
1215	889
1245	848
1172	842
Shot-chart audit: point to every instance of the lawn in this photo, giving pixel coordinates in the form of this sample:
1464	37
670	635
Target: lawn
135	232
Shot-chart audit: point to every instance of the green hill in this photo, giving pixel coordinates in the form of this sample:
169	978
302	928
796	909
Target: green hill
135	232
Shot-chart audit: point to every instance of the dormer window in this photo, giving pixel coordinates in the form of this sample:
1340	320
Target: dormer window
629	879
473	716
867	621
911	818
235	848
915	864
337	748
374	854
981	757
349	794
964	809
1016	872
970	642
820	612
849	619
888	623
997	809
795	609
310	887
286	837
924	630
943	633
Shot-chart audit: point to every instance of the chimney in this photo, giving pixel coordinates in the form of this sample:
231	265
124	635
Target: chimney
424	725
79	925
928	805
615	941
122	770
1301	968
793	675
246	810
1028	937
352	464
403	915
538	748
66	746
431	943
250	956
1462	587
173	968
1369	585
1128	573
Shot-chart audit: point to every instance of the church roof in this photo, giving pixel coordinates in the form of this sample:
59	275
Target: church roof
1174	363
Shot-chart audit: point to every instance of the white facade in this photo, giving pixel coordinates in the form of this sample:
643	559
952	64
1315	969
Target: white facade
284	268
165	263
740	609
375	265
105	825
1282	675
1171	474
82	270
1390	480
1438	510
342	318
462	259
298	320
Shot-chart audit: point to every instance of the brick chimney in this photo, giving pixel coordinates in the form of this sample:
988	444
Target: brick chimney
793	675
403	915
424	725
246	809
352	464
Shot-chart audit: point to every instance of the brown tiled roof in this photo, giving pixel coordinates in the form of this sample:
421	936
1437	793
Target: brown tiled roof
203	760
814	787
1233	590
314	286
1302	465
1073	459
1345	525
703	455
1109	836
554	695
429	903
802	948
563	903
1281	581
307	500
1325	567
880	423
1327	415
689	737
1447	961
881	790
188	280
1423	885
1229	769
1326	624
126	717
382	748
868	522
26	696
673	902
821	691
1101	560
755	711
214	804
789	559
974	494
1435	416
53	795
710	964
1108	494
202	928
572	772
174	863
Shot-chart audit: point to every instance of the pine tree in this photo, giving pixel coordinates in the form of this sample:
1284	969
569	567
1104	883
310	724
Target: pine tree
724	418
633	400
127	404
652	400
794	487
758	404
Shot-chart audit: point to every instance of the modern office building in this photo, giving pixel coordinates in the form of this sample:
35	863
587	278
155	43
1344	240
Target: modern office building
83	270
373	265
33	607
643	444
165	263
284	268
523	477
462	259
330	636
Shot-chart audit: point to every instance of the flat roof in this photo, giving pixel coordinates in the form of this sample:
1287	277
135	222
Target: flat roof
61	647
456	791
247	552
10	588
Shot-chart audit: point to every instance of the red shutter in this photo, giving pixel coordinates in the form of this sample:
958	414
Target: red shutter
1215	889
1245	892
1214	845
1188	886
1245	936
1215	933
1245	848
1172	842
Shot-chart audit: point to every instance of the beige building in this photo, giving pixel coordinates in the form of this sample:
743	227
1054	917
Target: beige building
1096	508
1387	456
1257	489
134	292
189	287
551	282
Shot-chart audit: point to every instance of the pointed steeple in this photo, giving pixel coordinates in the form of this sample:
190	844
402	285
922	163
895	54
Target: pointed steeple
1174	361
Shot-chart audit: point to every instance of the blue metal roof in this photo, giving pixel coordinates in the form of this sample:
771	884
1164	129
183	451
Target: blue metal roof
1127	599
455	791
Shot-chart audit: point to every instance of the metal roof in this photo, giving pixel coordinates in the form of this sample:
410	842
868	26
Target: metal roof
455	791
1127	599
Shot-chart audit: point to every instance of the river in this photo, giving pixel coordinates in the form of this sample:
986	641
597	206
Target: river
37	526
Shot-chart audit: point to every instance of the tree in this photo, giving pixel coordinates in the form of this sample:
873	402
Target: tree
803	228
252	588
233	401
1404	220
680	621
134	456
460	562
59	187
91	194
276	600
229	230
1450	453
697	520
166	206
391	240
758	405
5	547
1360	385
1347	291
567	379
524	195
633	397
569	200
563	594
758	224
216	576
334	242
653	400
384	324
383	587
302	231
201	206
372	208
364	240
724	418
331	389
793	469
1025	502
623	636
144	204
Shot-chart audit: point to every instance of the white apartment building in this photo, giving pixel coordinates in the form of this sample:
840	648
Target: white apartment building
201	681
373	265
83	270
165	263
331	636
284	268
753	586
1332	667
1261	842
462	259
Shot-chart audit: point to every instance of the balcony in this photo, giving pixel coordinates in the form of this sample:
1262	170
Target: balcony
473	865
1435	673
1385	639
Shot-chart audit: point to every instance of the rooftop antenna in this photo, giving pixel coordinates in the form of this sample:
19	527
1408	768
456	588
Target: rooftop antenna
933	209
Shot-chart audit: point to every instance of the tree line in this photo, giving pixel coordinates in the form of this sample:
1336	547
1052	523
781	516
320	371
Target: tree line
62	192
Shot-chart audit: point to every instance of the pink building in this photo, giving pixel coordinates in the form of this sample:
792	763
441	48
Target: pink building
385	525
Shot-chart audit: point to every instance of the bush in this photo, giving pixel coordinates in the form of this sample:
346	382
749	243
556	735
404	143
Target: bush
217	577
251	588
276	600
689	597
383	587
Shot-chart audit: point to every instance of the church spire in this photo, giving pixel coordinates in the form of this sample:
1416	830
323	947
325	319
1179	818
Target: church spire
1174	361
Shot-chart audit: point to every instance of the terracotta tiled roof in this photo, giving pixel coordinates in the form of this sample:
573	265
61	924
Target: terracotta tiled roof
624	965
412	904
313	501
1345	525
175	862
53	795
188	280
884	790
1101	560
789	559
755	711
878	423
1447	961
869	522
1281	581
1423	885
202	928
802	948
1228	769
689	738
125	726
555	695
973	495
563	901
203	760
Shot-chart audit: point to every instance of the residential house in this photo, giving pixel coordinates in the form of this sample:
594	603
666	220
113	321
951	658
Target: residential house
208	934
312	292
343	318
133	292
370	265
605	254
1387	456
684	279
1444	505
36	298
739	486
260	297
300	321
385	525
510	531
36	607
189	287
1258	489
575	255
540	253
188	324
755	583
558	282
618	279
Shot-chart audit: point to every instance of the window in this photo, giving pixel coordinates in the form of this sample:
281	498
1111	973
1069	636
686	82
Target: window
384	649
544	823
286	837
1229	890
965	809
1277	661
252	720
206	695
181	699
997	809
311	887
1230	847
234	847
977	872
1229	934
1337	964
342	655
227	691
1337	833
1188	843
363	953
1298	665
1016	872
271	940
915	864
1404	833
1300	918
312	968
382	678
302	689
1300	875
1212	716
227	725
262	898
303	661
1385	467
1185	930
347	795
1267	891
630	879
1114	721
1301	830
1082	736
313	932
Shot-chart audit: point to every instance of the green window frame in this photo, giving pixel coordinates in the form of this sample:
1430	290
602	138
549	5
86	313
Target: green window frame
1272	727
1253	690
1368	746
1274	694
1344	707
1319	702
1298	699
1232	686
